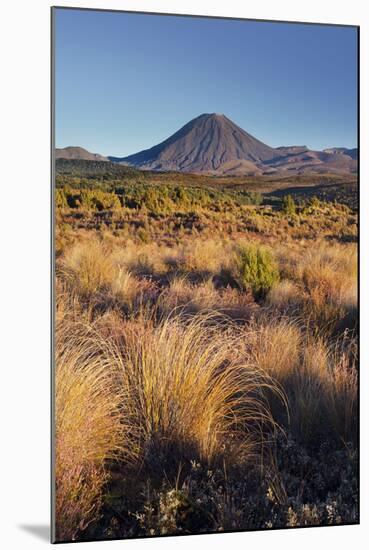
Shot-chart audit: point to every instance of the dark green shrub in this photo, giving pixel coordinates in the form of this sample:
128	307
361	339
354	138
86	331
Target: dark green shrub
257	269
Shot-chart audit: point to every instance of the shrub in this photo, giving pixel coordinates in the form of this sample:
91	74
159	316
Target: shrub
288	205
99	200
257	269
143	234
60	199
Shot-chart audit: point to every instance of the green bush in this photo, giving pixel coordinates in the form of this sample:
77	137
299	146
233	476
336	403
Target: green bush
257	269
288	205
60	199
98	200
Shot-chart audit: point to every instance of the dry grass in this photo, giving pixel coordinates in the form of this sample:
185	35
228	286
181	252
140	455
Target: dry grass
319	282
158	376
194	393
97	274
178	390
208	256
184	296
320	381
88	266
330	273
90	425
285	295
275	347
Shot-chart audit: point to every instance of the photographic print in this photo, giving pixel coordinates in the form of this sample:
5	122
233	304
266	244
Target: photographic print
205	197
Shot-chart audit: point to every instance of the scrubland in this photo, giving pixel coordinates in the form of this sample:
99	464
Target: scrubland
206	361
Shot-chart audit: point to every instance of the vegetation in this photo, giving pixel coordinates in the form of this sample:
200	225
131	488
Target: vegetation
258	269
288	205
206	361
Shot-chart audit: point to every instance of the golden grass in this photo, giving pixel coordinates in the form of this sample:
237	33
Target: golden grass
187	297
321	282
194	392
342	389
136	391
275	347
90	425
160	376
88	265
207	255
331	273
320	381
285	295
96	273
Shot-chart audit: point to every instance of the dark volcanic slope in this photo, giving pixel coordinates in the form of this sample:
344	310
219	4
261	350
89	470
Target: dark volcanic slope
207	143
77	153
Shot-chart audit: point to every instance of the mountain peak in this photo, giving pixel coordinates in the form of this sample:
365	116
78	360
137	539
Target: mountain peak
205	144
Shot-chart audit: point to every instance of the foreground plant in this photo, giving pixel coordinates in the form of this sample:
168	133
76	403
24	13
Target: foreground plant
195	393
90	426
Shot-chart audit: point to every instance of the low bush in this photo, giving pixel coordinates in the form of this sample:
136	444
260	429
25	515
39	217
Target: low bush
98	200
257	269
288	205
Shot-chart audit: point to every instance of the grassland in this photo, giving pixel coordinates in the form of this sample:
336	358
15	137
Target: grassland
206	365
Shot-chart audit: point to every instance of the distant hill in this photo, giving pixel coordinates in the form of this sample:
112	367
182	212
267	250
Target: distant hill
308	161
213	144
78	153
342	151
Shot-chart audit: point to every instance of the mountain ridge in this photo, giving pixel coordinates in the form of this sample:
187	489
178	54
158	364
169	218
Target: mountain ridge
212	143
77	153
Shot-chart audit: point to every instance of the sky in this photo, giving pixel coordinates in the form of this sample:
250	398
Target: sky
125	82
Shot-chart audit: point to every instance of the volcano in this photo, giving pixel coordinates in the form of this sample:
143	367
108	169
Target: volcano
208	143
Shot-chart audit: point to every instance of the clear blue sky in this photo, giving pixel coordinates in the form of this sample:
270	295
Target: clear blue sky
125	82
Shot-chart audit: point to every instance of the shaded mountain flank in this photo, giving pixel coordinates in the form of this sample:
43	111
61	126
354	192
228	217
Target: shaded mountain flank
213	144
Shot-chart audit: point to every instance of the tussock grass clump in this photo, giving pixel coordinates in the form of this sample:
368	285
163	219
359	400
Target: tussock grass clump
343	392
90	425
194	392
97	274
257	269
319	284
206	256
329	276
183	296
276	346
285	295
325	392
320	380
88	266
